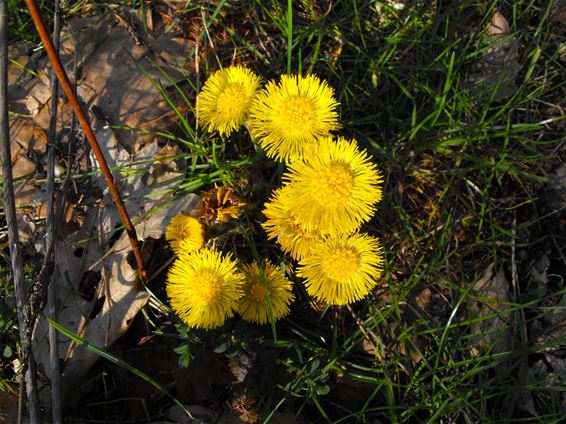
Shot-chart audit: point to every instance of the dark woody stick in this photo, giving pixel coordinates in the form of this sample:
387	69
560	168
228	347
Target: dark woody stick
28	363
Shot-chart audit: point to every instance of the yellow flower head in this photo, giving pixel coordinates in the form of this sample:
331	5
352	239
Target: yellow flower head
254	306
226	97
287	117
204	287
334	188
283	226
185	233
343	270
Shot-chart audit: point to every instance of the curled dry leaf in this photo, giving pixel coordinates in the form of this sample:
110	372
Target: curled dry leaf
220	205
498	26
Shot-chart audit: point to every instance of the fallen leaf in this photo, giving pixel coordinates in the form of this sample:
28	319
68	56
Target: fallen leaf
492	75
550	373
558	17
8	408
221	204
424	298
240	366
553	196
113	69
18	54
498	26
98	292
487	305
120	80
92	252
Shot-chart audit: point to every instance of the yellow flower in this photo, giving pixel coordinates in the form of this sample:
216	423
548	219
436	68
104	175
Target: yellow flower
343	270
226	97
185	233
204	287
254	306
287	117
334	188
283	226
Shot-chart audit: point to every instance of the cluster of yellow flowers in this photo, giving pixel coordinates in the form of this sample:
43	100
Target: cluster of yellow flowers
206	287
330	189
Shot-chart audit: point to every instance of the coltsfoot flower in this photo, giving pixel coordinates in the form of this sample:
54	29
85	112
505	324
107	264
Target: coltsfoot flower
185	233
343	270
225	99
334	188
287	117
282	226
204	287
254	305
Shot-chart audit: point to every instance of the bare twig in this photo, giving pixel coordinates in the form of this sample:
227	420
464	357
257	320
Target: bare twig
73	100
28	363
51	308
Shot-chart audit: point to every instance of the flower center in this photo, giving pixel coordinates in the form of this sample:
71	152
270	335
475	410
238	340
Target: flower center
231	101
333	185
298	116
257	292
341	264
210	287
186	231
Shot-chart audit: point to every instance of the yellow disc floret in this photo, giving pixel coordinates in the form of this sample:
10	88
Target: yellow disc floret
337	184
341	264
224	101
267	293
343	270
289	116
334	188
283	226
204	287
185	233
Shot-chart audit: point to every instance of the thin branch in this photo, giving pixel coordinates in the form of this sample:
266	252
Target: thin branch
73	100
28	363
51	308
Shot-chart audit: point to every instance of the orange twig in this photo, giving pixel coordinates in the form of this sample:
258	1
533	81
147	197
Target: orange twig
70	94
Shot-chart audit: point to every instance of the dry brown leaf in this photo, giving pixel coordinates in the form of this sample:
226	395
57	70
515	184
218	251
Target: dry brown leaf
98	294
112	83
492	75
558	17
498	26
488	304
240	366
221	204
423	298
114	73
8	408
551	373
103	312
18	54
553	197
